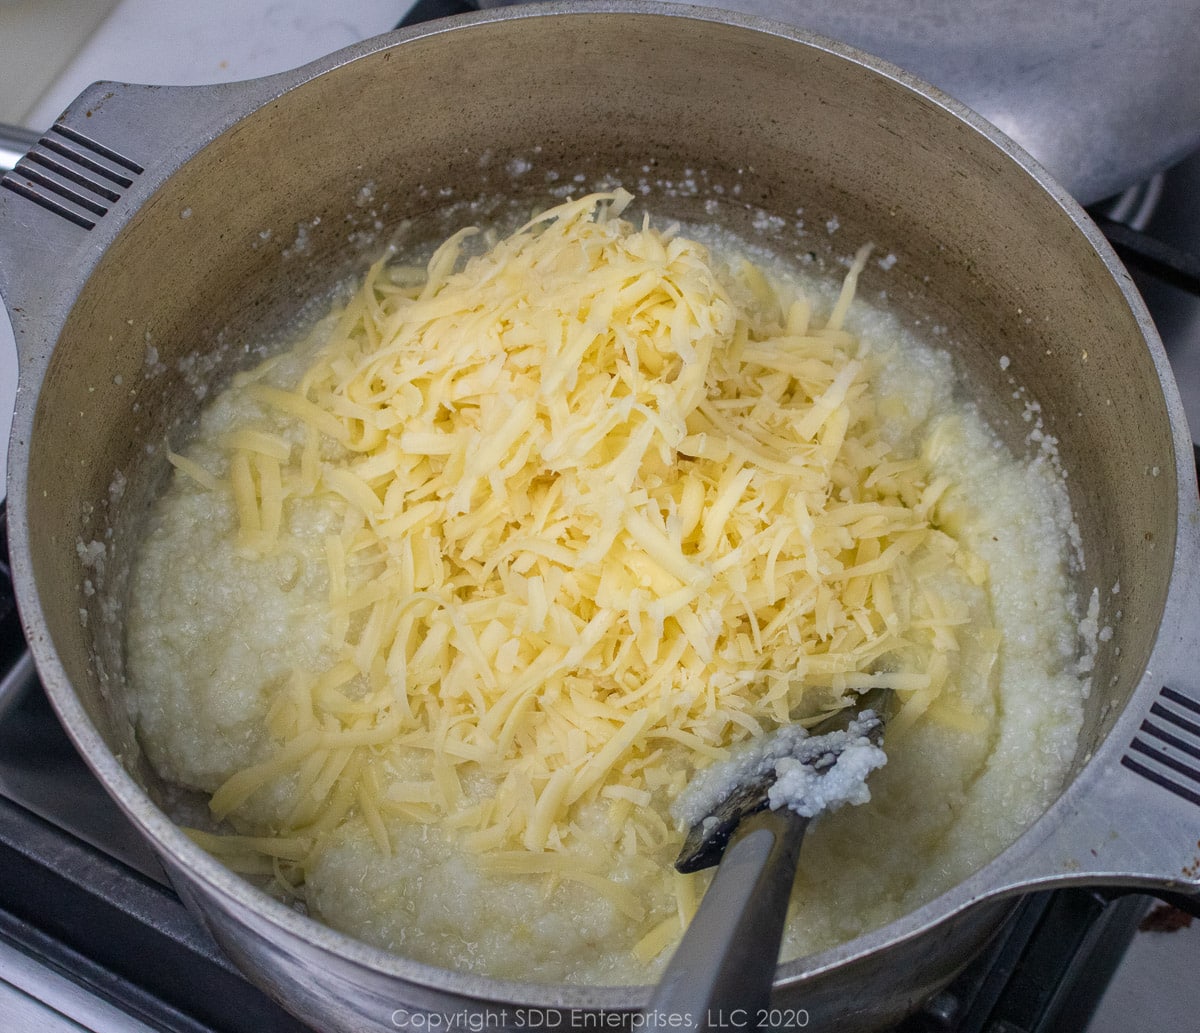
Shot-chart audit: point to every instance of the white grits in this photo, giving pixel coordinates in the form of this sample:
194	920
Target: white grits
212	635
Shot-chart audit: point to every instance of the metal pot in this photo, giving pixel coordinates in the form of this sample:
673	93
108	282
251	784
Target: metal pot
213	213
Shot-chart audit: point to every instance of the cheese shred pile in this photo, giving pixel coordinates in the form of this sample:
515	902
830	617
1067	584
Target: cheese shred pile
602	504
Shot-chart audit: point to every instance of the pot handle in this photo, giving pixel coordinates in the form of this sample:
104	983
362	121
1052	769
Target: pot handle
1131	819
82	180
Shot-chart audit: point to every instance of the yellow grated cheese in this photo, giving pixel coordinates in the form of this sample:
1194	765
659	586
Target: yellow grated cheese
658	939
594	524
192	469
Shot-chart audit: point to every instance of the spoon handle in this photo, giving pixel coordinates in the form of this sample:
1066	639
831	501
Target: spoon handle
721	974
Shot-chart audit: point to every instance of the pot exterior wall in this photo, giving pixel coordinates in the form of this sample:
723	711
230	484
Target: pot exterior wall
868	995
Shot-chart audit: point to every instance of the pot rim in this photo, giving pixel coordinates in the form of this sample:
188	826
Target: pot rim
993	879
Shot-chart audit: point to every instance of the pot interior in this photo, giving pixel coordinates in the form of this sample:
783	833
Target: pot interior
226	255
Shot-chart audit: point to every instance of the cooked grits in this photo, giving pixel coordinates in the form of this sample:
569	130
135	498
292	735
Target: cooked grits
238	610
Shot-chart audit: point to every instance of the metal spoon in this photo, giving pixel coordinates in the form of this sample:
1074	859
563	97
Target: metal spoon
721	974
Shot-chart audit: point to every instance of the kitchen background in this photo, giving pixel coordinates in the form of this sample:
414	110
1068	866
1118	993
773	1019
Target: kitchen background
51	49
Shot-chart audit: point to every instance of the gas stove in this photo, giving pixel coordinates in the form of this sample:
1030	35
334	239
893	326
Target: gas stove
92	936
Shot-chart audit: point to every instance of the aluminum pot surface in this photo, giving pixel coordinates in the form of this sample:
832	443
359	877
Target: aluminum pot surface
223	210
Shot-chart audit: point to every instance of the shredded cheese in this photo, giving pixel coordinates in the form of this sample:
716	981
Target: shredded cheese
592	513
